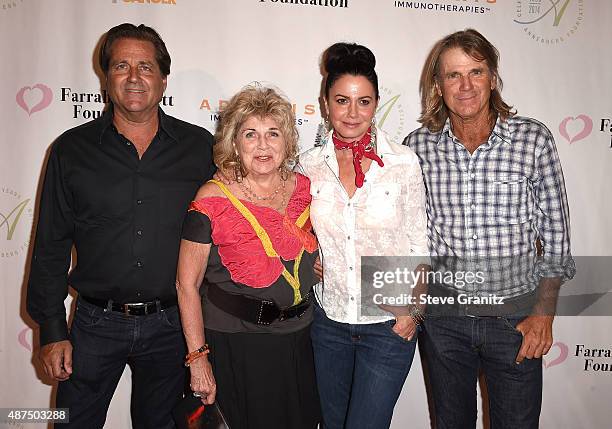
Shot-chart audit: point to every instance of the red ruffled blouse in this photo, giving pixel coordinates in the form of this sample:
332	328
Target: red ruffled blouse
241	250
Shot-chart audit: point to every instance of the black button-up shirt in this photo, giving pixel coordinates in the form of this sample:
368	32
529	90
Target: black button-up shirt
122	214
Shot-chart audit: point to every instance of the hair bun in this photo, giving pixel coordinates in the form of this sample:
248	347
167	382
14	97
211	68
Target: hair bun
341	57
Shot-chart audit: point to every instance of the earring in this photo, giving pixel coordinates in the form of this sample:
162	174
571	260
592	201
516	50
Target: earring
372	144
237	165
238	172
284	173
322	131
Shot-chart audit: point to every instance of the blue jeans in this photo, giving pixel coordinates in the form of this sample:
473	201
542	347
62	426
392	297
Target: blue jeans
456	348
360	371
103	343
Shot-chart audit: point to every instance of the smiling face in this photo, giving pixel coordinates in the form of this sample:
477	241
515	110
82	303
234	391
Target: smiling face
134	80
351	104
465	84
261	146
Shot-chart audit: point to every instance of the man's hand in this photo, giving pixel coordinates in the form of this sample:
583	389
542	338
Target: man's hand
537	337
57	359
222	177
318	268
404	327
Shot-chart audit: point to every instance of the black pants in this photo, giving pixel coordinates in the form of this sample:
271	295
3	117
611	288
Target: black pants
103	343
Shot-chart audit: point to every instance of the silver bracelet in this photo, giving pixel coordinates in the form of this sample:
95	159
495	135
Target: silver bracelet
417	315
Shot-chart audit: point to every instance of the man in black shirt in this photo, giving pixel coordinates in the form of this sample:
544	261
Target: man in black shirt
117	188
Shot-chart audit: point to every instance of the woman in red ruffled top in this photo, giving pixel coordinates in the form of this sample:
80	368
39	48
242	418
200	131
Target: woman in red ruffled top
250	244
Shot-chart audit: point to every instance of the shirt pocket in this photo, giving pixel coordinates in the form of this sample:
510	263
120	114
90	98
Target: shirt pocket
383	206
509	198
323	198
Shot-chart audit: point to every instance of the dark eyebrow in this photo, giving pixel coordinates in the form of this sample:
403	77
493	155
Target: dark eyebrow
346	96
139	62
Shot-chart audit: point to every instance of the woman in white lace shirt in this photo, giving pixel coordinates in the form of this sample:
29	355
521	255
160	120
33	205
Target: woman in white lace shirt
368	199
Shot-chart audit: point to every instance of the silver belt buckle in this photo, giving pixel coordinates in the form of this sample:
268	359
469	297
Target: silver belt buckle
126	307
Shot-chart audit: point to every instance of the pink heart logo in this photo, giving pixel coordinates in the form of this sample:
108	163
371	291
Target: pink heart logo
563	352
39	102
587	127
23	339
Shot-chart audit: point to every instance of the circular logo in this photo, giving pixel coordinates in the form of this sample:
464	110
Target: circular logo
390	115
549	22
16	213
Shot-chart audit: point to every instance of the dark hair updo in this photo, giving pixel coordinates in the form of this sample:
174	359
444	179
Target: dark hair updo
349	58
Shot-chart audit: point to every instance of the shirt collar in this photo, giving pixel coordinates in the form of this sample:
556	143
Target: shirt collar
165	124
501	131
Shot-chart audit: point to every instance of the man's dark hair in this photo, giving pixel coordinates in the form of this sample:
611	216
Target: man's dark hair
130	31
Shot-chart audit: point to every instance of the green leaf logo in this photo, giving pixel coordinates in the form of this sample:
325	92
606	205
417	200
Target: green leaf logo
12	219
386	109
556	8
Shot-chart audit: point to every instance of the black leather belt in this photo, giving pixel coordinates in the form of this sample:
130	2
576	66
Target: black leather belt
131	308
257	311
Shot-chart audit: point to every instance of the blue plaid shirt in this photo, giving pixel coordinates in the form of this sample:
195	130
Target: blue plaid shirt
494	204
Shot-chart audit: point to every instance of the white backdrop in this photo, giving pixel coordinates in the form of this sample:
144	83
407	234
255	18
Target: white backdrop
555	65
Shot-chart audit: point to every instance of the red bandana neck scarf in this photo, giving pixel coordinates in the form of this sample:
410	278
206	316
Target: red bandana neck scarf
360	149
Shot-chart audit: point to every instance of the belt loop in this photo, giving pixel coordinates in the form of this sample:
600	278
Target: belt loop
109	306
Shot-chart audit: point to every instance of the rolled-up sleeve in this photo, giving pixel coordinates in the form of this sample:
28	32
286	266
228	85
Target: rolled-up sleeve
552	216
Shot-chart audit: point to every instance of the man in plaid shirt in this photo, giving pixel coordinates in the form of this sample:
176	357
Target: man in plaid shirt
495	198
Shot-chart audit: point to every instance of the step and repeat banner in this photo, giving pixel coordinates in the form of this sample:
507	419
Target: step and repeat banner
555	64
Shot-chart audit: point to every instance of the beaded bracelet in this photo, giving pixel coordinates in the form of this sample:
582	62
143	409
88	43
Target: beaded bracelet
196	354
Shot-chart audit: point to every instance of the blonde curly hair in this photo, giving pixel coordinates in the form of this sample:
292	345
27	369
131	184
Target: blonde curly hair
261	102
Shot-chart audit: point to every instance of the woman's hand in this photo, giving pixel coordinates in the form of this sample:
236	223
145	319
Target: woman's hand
404	327
318	268
220	176
203	382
